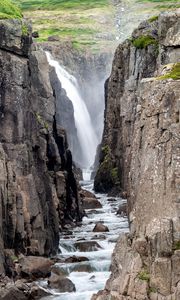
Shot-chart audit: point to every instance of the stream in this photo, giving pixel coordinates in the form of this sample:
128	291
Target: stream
91	275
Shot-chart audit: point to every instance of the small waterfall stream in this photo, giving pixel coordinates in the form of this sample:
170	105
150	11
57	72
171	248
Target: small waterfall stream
85	131
89	274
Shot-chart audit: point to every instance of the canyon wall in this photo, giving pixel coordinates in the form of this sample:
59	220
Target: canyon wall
140	158
38	190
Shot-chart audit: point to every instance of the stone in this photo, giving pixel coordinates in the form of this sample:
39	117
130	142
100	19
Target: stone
87	194
161	276
175	267
38	292
122	210
91	203
62	284
99	227
58	270
35	194
13	293
83	268
87	246
75	259
35	266
141	246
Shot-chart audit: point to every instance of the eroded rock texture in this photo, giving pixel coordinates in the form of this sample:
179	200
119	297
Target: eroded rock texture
38	190
140	156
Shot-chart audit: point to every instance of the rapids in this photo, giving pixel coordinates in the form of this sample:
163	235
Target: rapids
99	260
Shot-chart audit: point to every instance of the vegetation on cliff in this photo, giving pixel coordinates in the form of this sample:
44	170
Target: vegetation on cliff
9	10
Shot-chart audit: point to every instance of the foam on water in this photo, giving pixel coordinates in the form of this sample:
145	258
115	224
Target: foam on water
98	261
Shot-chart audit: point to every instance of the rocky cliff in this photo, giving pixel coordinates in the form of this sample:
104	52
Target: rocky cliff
38	189
140	157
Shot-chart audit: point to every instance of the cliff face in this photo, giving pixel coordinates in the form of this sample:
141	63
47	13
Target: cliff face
140	157
38	190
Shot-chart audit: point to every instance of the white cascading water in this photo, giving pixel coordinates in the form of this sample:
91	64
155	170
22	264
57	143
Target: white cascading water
86	134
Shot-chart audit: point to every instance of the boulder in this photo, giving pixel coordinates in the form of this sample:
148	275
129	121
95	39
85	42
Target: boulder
99	227
35	266
11	292
91	203
87	194
83	268
75	259
63	284
122	210
87	246
37	292
56	269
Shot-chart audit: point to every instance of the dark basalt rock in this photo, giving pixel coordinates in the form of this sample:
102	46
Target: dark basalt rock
38	189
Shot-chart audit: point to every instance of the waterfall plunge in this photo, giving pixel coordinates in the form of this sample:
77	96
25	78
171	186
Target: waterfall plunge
86	134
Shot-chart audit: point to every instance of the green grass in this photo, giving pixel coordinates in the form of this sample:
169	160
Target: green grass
173	74
144	41
159	1
9	10
61	4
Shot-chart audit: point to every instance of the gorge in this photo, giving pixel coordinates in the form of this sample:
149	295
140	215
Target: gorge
57	233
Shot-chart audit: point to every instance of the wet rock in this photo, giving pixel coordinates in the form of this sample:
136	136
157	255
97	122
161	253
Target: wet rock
93	211
99	237
75	259
38	292
35	266
11	292
99	227
122	210
63	284
58	270
87	194
91	203
83	268
111	199
87	246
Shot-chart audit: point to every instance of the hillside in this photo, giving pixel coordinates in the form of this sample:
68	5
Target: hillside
98	24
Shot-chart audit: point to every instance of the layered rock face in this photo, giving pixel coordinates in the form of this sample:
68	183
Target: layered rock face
38	189
140	156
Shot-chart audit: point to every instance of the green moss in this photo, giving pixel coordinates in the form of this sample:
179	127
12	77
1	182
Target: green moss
173	74
41	121
153	19
114	174
176	245
144	275
105	150
25	30
14	258
144	41
152	290
9	10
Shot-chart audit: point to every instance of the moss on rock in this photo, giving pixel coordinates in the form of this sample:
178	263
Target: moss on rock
144	41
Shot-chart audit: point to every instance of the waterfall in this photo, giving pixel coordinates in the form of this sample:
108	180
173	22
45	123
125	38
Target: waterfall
85	131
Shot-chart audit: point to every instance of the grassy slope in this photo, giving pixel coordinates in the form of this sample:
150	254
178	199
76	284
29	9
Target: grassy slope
83	22
8	10
88	23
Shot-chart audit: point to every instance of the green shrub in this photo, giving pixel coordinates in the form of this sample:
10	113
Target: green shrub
144	41
144	275
9	10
